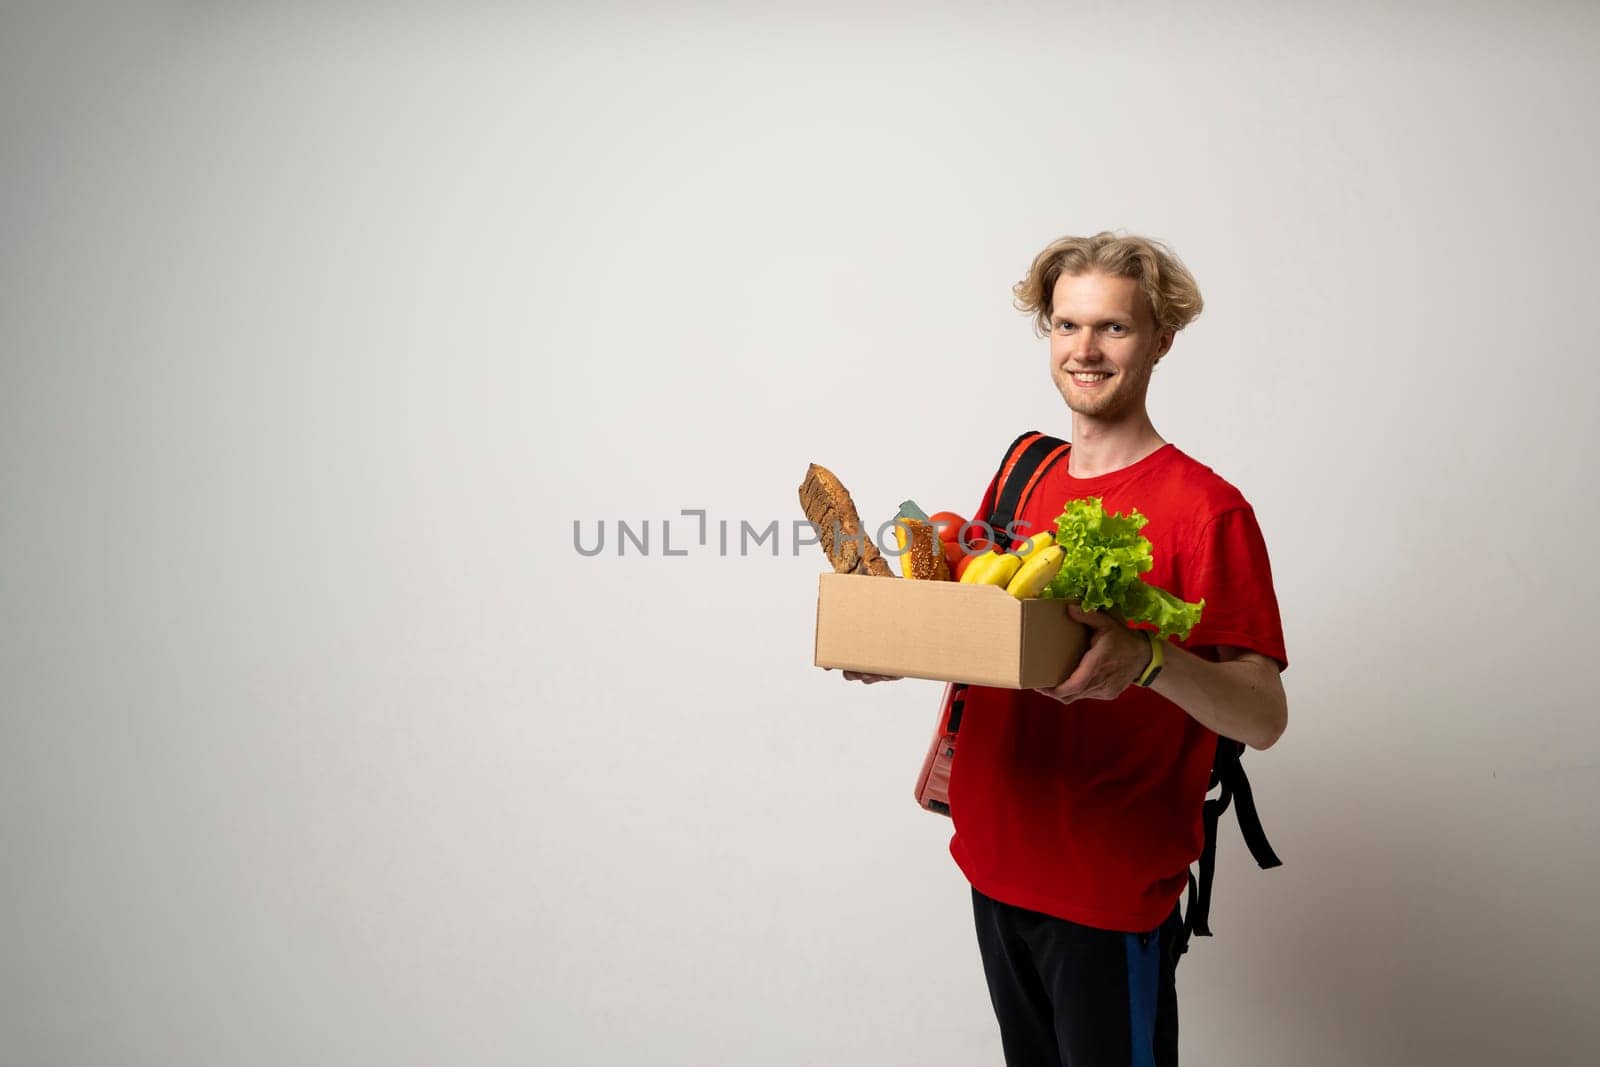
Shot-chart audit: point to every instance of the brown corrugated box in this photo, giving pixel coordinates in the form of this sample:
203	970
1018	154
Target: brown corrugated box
947	631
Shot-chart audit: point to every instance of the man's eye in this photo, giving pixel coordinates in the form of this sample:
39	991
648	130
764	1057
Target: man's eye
1063	326
1117	327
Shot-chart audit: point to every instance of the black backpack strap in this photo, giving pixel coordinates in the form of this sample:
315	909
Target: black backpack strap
1227	772
1244	806
1038	451
1026	457
987	507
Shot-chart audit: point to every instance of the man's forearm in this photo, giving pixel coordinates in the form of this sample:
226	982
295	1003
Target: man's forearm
1242	698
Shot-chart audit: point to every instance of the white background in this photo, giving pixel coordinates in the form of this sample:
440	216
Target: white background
320	325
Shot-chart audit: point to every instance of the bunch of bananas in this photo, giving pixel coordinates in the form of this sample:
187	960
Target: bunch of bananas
1025	572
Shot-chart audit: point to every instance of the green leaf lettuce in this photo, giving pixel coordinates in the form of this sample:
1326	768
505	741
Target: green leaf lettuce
1105	555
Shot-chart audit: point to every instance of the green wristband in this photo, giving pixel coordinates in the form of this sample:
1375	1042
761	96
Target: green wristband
1157	657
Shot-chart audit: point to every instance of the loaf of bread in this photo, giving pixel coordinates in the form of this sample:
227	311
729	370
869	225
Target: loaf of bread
827	504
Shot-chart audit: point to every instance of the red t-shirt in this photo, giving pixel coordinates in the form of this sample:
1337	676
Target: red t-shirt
1090	811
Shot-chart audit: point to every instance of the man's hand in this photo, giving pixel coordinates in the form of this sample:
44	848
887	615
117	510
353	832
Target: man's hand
860	676
1115	657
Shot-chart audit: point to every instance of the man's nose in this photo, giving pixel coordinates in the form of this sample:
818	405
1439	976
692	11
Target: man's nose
1084	348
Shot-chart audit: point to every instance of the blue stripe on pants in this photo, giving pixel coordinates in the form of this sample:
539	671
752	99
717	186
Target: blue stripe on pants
1144	971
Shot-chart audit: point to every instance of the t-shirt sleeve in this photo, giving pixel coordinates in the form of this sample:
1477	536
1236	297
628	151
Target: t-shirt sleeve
1230	570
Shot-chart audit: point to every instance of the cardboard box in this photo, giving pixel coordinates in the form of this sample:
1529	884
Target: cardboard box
945	631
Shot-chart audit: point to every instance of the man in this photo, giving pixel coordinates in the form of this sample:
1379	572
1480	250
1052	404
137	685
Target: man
1077	809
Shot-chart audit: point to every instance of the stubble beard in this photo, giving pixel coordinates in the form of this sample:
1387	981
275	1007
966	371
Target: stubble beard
1109	405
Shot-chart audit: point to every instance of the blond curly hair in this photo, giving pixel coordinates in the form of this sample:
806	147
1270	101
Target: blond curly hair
1173	294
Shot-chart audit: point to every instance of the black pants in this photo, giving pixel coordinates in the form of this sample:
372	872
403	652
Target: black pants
1073	996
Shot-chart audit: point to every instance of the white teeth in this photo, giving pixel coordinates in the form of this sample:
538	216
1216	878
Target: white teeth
1082	377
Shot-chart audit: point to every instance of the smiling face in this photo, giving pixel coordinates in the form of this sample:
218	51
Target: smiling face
1104	342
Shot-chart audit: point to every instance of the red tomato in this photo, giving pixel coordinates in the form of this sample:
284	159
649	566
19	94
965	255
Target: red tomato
969	532
963	563
953	555
948	523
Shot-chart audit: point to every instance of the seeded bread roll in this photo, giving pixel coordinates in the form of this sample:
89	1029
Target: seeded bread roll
827	504
922	553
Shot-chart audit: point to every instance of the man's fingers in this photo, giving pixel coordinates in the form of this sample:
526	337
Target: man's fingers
1098	619
861	676
1085	681
1071	688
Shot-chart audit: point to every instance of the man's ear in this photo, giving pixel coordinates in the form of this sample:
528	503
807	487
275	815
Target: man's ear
1164	345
